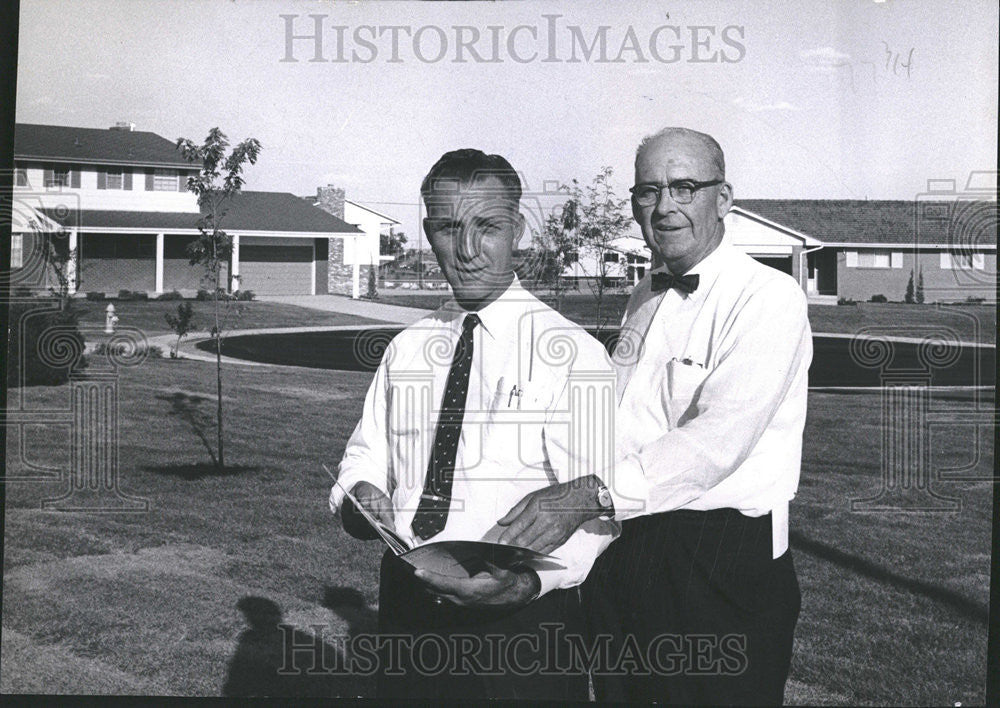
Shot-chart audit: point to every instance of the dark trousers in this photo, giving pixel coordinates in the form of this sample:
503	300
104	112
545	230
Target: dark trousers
698	596
432	651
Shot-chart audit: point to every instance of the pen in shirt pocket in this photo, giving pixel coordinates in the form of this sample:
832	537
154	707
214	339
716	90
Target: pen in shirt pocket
688	361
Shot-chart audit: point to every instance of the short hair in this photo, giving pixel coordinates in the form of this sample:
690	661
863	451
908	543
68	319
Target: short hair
710	144
467	166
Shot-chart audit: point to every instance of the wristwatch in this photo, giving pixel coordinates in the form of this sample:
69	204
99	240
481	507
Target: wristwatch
604	501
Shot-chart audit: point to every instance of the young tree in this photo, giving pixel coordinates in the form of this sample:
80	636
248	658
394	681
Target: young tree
391	244
920	286
908	297
553	249
372	282
596	219
181	323
219	178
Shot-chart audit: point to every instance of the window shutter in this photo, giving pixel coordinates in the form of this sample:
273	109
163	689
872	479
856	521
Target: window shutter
102	179
945	260
897	259
49	177
127	178
182	181
74	179
851	259
149	180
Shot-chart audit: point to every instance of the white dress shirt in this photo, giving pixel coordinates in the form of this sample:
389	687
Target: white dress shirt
541	395
713	388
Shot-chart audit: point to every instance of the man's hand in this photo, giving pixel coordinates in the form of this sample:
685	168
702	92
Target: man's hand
491	588
546	518
375	502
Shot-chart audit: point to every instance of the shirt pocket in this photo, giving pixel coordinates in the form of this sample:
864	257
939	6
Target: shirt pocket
682	387
512	439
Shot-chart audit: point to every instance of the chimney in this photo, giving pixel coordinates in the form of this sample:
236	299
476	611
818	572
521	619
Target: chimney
331	200
124	126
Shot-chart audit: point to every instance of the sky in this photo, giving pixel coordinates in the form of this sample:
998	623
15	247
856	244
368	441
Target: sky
847	99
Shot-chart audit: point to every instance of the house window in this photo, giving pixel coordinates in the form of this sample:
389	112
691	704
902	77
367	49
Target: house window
60	178
874	258
21	178
164	181
610	257
956	260
16	248
115	180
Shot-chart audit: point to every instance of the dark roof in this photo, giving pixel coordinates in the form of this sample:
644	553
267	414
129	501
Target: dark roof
965	221
94	145
247	211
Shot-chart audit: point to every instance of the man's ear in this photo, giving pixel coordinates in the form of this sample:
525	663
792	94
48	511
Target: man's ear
725	201
519	226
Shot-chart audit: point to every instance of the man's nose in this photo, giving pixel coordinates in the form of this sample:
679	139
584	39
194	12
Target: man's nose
665	203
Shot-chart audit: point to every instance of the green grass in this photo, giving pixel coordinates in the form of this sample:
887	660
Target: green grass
893	605
970	323
149	315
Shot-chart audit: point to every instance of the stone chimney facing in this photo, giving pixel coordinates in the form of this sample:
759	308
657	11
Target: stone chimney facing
331	200
340	277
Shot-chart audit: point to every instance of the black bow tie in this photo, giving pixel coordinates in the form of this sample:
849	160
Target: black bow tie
684	283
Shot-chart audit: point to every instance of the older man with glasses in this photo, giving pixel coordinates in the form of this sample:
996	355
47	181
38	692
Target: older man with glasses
712	368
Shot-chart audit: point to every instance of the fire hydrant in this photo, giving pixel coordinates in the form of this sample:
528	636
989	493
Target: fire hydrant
110	319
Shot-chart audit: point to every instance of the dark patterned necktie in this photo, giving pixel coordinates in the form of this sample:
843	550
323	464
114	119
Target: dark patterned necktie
432	512
665	281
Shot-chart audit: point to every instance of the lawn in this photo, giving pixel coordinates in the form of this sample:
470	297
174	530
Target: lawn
148	315
970	323
184	599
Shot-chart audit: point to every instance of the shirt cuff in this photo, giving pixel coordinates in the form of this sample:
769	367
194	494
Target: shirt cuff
628	487
346	480
549	579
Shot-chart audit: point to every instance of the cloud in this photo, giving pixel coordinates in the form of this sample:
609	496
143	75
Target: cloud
755	107
824	58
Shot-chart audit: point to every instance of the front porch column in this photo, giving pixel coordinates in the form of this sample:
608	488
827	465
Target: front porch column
74	256
159	263
356	272
234	275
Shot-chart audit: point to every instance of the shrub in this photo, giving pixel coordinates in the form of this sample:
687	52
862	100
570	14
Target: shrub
245	295
844	301
879	298
152	351
34	325
203	295
975	300
22	291
124	294
94	295
172	295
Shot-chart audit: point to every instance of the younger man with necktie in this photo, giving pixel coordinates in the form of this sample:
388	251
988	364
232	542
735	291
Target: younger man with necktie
471	409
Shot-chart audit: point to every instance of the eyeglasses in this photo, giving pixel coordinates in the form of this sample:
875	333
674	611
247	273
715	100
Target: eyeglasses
681	191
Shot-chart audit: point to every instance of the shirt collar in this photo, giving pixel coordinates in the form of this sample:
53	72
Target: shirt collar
501	316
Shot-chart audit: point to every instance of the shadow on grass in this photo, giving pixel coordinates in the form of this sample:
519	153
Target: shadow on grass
275	659
191	409
967	608
191	471
350	606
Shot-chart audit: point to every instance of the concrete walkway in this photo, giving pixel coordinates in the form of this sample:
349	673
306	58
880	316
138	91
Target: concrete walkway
345	305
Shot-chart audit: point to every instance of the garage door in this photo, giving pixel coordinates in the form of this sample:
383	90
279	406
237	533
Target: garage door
277	269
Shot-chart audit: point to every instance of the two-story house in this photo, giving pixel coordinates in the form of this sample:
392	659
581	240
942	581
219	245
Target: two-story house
121	198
